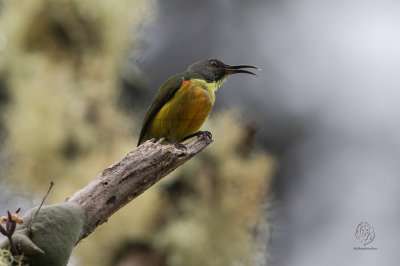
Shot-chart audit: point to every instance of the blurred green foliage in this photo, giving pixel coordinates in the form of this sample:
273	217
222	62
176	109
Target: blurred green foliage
61	61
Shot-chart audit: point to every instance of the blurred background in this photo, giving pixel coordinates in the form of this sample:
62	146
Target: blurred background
303	153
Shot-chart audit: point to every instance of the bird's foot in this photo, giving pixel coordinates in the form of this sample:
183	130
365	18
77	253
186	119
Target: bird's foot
200	134
176	144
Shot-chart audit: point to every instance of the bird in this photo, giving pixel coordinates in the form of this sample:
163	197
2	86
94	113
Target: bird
184	102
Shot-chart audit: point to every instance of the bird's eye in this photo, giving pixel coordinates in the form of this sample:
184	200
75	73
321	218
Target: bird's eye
213	63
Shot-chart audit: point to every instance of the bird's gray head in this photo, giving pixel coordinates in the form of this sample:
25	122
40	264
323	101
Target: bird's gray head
213	70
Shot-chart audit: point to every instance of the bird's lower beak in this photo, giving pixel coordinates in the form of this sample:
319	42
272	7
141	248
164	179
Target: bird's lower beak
239	69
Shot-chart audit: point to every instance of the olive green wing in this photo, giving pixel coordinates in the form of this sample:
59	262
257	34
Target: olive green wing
164	94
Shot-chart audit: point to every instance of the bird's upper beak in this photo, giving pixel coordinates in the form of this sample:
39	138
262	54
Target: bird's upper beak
239	69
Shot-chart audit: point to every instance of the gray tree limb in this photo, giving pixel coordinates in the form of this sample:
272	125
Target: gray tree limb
129	177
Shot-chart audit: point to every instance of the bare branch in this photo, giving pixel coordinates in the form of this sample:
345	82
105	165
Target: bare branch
131	176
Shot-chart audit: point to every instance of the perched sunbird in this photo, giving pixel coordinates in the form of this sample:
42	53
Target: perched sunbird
184	102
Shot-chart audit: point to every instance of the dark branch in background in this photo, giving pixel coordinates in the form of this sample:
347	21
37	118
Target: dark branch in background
131	176
11	223
10	229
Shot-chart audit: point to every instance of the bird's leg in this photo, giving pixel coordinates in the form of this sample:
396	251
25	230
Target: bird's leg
199	134
176	144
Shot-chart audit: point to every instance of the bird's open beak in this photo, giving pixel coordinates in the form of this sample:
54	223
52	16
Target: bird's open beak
239	69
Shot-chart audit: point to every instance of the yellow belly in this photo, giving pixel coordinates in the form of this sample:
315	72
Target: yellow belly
184	114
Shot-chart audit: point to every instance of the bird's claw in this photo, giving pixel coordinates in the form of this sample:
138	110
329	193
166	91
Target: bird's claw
179	146
200	134
207	134
203	134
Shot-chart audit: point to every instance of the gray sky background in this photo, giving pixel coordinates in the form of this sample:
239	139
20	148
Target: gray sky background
328	104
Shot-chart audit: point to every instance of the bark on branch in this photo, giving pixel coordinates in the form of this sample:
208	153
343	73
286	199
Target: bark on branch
129	177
